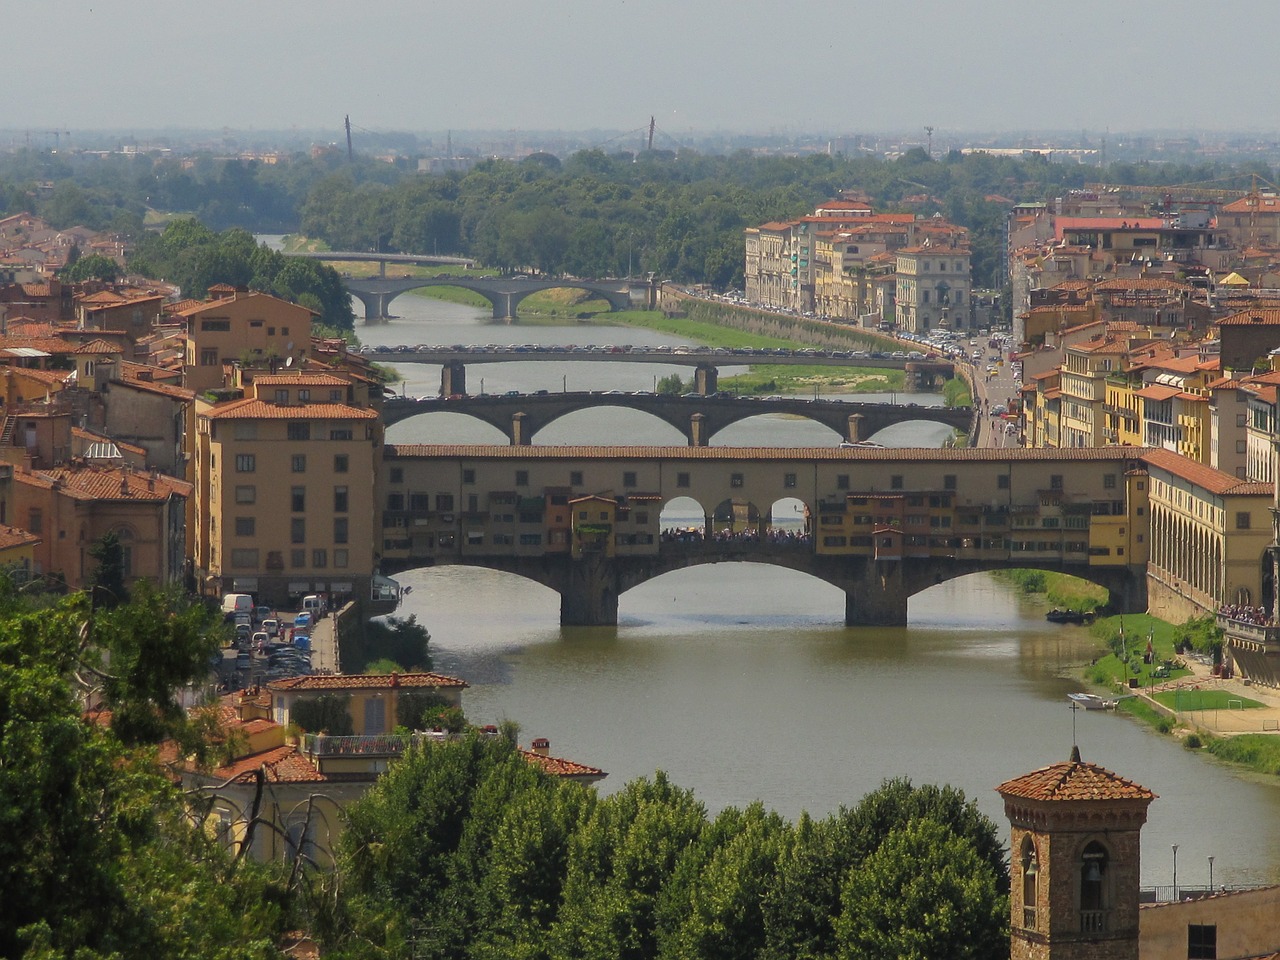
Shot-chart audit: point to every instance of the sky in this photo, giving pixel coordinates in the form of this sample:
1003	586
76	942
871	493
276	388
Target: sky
744	66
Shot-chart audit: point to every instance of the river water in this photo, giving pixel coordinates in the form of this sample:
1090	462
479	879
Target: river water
741	681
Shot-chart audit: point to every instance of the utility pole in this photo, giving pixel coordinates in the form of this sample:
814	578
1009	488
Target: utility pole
651	126
347	123
929	133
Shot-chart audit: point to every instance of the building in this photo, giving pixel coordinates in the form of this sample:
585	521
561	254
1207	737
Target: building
933	287
237	325
286	489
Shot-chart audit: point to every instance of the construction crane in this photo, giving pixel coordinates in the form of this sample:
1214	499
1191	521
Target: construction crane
56	134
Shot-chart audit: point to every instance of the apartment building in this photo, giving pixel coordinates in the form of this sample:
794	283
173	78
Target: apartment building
933	287
286	489
238	325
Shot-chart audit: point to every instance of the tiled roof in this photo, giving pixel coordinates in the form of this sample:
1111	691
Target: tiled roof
106	483
279	765
1207	478
1257	315
1250	202
557	767
301	380
1157	391
11	537
639	453
97	346
1141	283
254	409
369	681
1073	780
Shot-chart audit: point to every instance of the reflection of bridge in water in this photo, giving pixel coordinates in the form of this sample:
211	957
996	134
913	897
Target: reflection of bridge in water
881	525
699	418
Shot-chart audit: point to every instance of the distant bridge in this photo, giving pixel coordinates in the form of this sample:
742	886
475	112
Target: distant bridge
505	293
921	373
382	259
698	417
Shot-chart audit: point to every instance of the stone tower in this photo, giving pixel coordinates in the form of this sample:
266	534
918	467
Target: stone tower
1074	870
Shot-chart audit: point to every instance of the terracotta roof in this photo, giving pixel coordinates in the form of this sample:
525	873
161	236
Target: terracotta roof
97	346
1257	315
105	483
1249	202
1141	283
279	765
1207	478
253	409
11	537
301	380
1157	391
369	681
557	767
642	453
1073	780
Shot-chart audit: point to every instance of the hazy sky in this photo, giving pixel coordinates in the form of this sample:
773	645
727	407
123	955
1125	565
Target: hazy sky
731	65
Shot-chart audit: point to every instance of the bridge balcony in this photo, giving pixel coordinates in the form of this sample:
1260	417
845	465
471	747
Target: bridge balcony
1265	635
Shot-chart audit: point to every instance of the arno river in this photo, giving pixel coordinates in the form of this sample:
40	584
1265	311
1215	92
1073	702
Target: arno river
741	681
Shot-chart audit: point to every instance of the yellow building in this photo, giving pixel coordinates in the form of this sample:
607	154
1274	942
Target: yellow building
238	325
1086	368
286	487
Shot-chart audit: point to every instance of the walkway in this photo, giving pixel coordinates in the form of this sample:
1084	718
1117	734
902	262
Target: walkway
1264	719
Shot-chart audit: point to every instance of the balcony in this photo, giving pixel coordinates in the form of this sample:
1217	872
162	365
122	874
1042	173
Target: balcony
1260	633
1093	921
385	745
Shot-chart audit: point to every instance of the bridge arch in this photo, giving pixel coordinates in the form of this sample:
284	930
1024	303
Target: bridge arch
444	426
582	426
683	517
744	430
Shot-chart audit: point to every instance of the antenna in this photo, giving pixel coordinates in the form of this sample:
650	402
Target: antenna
347	123
929	133
651	126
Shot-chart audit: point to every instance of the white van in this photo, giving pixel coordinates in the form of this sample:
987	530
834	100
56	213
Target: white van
312	604
237	603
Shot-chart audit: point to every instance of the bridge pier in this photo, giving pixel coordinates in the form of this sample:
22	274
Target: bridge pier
706	378
518	431
853	432
453	378
698	431
589	598
503	308
876	596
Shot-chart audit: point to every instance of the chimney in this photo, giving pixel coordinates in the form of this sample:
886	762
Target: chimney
541	746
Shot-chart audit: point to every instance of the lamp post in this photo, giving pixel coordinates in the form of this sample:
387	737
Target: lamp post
1175	871
564	383
1211	874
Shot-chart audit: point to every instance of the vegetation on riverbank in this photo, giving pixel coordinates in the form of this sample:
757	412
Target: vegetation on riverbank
956	393
1059	589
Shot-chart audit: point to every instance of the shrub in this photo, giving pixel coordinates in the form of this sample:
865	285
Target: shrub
1192	741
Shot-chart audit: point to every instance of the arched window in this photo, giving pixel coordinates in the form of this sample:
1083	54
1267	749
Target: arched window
1093	882
1030	883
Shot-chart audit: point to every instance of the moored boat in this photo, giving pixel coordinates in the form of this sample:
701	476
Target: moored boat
1066	616
1091	701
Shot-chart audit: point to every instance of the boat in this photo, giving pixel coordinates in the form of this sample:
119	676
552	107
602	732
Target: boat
1090	701
1066	616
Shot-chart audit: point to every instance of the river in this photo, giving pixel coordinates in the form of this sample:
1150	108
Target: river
741	681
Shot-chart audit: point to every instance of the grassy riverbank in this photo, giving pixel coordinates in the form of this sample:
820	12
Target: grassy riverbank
1060	590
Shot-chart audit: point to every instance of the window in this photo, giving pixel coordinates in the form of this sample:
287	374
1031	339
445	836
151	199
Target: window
304	395
319	558
298	499
282	396
789	480
246	463
1030	880
340	500
1093	874
1243	520
1108	481
35	520
842	481
1202	941
243	495
244	526
895	482
216	326
468	476
395	501
209	357
341	463
244	429
298	530
1002	482
949	481
341	433
522	478
340	558
298	463
397	475
1055	481
339	529
444	502
298	430
682	480
1242	419
335	396
419	503
629	478
575	478
297	559
736	480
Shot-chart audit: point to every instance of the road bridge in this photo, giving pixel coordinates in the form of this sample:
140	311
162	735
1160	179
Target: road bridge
922	373
698	417
880	524
504	293
382	259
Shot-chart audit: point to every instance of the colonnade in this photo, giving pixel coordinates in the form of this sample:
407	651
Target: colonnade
1192	553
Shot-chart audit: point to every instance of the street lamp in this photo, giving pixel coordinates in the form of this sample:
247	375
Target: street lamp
564	383
1175	871
1211	874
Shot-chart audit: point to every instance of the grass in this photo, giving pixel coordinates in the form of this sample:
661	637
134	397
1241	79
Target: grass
1259	752
1060	589
1112	671
1187	700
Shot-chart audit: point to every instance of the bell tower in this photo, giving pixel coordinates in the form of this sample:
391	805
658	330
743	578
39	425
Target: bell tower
1075	856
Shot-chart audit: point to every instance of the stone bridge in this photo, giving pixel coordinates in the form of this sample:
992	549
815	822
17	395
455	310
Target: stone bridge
698	417
876	591
504	293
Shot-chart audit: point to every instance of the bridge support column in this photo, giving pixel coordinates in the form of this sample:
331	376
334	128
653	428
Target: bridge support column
453	378
698	430
705	378
502	308
878	597
518	431
853	432
590	598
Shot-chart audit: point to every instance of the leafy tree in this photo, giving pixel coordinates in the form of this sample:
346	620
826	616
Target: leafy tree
106	583
671	386
329	714
93	267
398	639
924	894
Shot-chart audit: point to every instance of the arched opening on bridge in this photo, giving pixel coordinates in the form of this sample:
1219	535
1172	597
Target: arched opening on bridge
718	595
445	428
735	518
682	518
764	430
605	425
790	520
564	302
1006	596
913	433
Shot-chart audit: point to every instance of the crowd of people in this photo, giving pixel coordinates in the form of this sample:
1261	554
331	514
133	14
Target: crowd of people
1259	616
772	535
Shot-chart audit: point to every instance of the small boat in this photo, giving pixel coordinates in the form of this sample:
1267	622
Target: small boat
1066	616
1091	701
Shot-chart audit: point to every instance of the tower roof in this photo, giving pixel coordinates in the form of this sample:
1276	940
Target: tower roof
1073	780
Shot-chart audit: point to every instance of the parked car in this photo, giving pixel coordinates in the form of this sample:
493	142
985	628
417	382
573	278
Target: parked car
272	627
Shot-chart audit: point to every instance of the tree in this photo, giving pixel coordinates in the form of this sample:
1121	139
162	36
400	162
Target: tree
106	583
93	267
924	894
